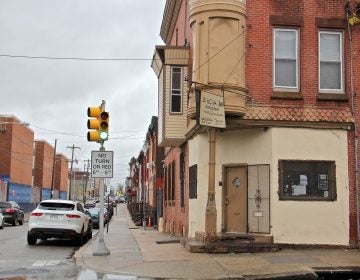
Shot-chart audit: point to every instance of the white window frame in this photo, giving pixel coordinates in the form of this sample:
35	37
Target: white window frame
341	36
177	90
295	88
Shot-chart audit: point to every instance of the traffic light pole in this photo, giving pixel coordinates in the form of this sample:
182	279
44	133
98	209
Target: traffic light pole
101	249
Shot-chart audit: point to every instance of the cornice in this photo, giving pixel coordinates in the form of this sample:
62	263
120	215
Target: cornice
171	12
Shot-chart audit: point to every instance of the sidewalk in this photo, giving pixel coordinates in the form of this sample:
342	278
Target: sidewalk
134	252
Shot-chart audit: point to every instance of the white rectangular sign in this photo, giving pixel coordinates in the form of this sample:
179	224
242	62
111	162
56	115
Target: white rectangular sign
101	164
212	110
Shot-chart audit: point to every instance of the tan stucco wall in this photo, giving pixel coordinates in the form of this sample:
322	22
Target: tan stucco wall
309	222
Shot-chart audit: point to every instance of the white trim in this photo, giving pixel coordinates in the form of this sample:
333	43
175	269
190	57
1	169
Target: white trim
340	34
180	90
297	58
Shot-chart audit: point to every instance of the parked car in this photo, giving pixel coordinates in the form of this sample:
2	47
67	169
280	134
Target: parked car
90	227
89	204
12	213
95	216
63	219
2	221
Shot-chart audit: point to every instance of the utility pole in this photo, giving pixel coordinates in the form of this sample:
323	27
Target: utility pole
53	173
71	169
87	177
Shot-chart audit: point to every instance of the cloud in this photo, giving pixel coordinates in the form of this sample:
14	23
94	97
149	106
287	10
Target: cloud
53	95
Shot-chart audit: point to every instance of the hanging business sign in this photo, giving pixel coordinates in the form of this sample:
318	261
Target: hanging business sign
101	164
212	110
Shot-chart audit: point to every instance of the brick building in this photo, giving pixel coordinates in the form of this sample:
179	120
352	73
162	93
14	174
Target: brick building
283	165
16	157
43	168
61	176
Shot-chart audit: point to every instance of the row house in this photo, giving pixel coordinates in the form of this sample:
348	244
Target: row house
256	112
145	183
27	170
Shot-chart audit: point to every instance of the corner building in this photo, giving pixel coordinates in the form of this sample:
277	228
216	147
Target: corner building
284	163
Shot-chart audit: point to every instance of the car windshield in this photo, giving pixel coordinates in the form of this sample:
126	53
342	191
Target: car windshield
56	206
94	211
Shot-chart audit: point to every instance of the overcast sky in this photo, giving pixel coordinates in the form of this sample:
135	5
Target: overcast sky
53	94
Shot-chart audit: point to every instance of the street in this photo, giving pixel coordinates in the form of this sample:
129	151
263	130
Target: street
51	259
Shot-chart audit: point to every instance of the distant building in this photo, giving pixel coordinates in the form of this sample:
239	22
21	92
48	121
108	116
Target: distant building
43	168
16	161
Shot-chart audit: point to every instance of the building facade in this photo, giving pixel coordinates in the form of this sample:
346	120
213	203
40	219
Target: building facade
282	166
16	157
43	169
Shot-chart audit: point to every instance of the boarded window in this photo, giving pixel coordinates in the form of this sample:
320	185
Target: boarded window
173	180
193	181
182	180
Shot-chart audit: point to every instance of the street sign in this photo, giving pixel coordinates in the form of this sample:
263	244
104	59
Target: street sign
101	164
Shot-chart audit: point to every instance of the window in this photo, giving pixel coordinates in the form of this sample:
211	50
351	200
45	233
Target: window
176	98
193	181
182	180
286	59
307	180
331	61
173	180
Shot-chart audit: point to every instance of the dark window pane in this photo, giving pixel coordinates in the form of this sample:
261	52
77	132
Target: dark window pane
175	103
314	180
176	78
193	181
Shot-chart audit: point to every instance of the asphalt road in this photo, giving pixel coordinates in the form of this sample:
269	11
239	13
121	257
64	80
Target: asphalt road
51	259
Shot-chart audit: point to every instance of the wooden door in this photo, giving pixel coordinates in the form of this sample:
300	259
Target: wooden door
235	199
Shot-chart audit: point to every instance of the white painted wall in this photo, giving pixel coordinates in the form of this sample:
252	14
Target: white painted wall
298	222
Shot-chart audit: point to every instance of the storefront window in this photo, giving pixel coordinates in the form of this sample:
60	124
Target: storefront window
307	180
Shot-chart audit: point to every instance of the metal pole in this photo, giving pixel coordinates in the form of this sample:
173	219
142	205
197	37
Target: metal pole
53	173
210	216
100	248
71	169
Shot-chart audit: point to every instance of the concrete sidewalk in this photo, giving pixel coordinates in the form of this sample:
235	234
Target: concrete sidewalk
135	252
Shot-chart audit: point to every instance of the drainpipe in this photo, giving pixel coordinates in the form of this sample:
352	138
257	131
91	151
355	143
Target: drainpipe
355	133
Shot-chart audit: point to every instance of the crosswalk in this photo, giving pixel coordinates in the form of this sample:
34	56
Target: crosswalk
42	263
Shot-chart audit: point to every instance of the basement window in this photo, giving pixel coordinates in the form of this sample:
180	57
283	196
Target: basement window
307	180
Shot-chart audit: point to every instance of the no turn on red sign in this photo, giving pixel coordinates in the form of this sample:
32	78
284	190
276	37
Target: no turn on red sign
102	164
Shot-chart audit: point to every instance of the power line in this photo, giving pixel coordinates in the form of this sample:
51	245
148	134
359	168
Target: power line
75	58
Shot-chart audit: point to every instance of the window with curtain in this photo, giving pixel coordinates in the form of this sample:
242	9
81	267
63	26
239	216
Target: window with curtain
331	61
176	98
286	59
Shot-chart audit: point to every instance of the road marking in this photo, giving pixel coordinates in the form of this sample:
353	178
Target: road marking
40	263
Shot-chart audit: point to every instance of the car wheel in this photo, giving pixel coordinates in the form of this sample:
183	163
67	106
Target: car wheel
80	238
2	224
89	234
31	239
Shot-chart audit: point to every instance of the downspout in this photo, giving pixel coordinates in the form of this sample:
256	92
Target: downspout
355	132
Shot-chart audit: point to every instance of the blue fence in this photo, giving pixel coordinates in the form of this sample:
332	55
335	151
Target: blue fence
63	195
45	194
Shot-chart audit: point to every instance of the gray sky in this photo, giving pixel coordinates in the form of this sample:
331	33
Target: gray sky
53	95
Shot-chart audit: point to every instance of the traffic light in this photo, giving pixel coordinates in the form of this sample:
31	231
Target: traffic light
99	123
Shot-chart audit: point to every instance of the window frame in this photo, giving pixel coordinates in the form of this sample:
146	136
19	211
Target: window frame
172	90
295	88
342	64
332	196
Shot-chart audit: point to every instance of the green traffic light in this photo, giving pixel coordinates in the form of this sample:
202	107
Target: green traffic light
103	135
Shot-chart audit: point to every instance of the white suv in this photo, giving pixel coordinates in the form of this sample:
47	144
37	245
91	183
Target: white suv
64	219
